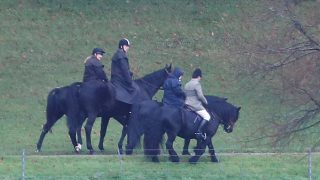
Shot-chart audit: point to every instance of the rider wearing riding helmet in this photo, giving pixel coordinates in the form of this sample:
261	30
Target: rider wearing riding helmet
173	93
195	100
121	76
93	67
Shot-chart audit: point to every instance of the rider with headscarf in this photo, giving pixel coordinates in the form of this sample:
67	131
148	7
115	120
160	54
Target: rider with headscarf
173	92
93	68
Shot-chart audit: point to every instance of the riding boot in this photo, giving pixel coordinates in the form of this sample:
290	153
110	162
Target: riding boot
200	134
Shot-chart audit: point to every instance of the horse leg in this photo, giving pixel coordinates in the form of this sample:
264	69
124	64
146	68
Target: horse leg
46	128
88	129
133	137
212	152
186	147
173	156
123	135
72	134
198	150
73	125
103	130
79	137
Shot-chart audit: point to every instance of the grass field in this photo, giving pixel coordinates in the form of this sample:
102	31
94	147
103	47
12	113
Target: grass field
44	43
276	166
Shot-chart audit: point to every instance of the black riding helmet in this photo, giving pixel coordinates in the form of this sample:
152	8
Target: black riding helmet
98	51
123	42
197	73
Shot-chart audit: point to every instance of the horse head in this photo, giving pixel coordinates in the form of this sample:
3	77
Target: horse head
226	113
152	82
231	119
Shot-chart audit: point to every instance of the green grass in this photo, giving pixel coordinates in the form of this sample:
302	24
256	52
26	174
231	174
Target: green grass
44	43
111	167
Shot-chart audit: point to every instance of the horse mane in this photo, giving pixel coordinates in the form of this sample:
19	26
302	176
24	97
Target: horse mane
152	82
151	77
222	108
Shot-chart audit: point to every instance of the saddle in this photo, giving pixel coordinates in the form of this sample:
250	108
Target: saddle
187	108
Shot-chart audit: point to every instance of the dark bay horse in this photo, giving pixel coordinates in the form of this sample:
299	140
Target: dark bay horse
154	119
91	100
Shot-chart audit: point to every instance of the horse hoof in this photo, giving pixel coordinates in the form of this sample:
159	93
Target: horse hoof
120	151
214	159
92	152
78	148
193	160
37	151
101	148
155	159
186	153
174	159
129	152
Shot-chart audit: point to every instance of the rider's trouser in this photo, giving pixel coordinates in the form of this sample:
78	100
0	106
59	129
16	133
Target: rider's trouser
204	114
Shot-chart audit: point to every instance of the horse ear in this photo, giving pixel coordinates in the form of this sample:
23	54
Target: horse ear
225	98
239	109
169	67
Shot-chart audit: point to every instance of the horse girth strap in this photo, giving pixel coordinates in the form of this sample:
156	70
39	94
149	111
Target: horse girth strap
181	111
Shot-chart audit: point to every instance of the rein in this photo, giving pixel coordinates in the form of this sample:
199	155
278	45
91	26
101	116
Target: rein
215	116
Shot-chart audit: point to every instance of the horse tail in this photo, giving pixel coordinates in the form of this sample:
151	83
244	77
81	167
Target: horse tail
73	105
153	138
53	109
154	132
135	128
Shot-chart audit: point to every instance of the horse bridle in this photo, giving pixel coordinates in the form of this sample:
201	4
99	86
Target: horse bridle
216	116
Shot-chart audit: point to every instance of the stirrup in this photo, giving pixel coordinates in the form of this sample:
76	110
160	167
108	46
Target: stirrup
202	135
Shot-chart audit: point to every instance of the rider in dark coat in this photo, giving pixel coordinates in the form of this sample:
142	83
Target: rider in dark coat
173	93
121	76
93	67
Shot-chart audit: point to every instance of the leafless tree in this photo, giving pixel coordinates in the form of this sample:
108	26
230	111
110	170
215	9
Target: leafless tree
297	68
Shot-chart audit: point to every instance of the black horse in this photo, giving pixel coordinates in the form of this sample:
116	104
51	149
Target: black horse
149	86
154	119
67	101
211	99
91	100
